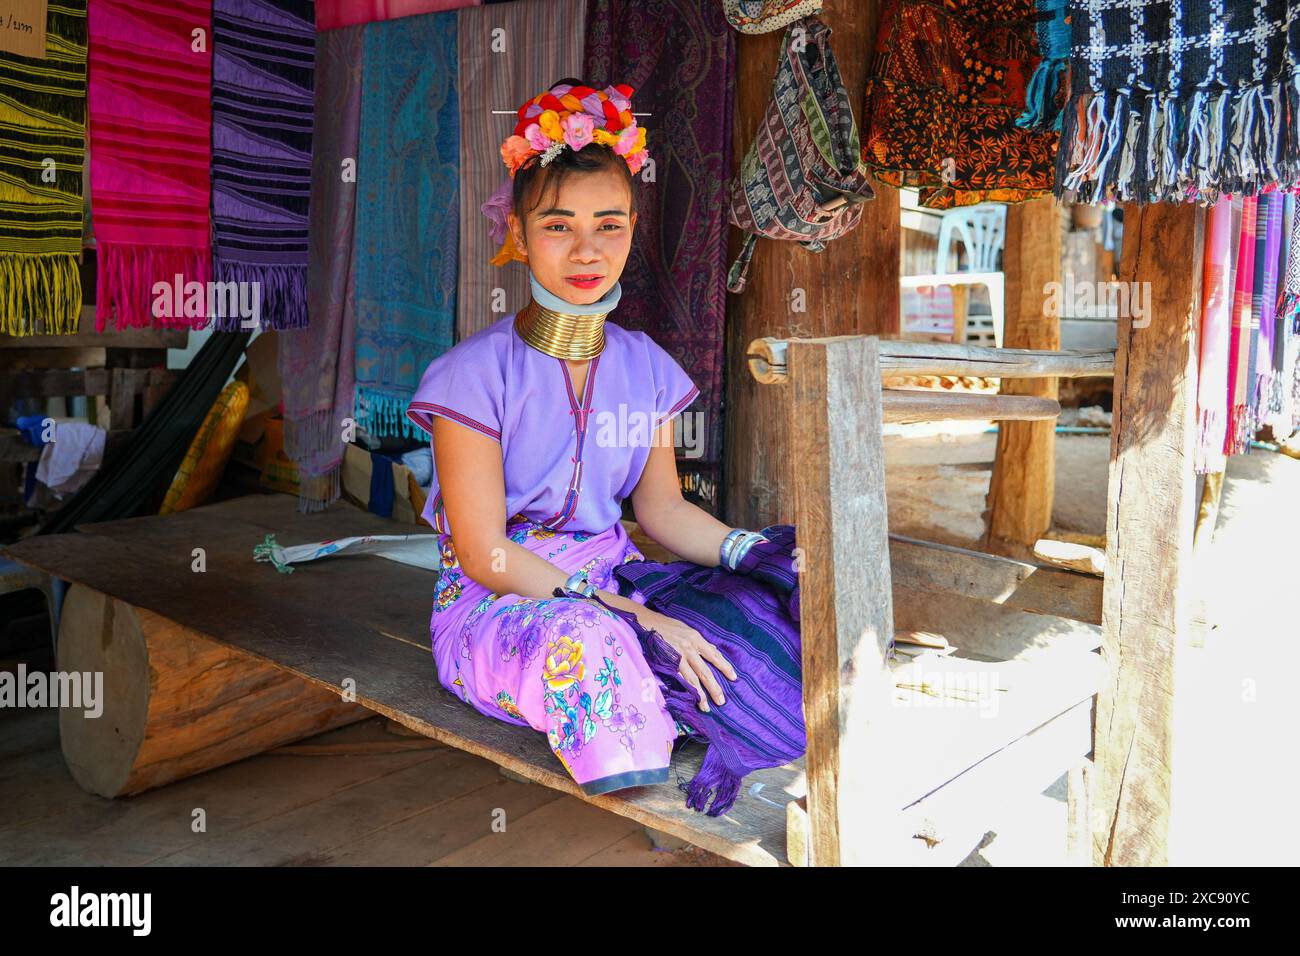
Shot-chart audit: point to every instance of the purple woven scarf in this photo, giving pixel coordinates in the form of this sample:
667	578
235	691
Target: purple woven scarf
752	618
262	78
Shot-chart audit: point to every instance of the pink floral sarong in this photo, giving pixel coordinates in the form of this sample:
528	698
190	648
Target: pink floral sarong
563	666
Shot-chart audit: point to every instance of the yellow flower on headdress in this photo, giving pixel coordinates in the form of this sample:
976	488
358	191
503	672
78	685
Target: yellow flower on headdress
604	137
549	121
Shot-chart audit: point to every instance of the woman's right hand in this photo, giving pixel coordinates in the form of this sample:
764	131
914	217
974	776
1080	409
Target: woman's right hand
696	655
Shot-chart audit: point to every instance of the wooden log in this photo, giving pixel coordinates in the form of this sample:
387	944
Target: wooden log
919	405
1023	483
1150	512
846	601
767	360
852	286
173	702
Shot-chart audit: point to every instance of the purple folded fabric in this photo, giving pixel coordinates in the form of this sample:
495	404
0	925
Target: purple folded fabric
748	620
773	561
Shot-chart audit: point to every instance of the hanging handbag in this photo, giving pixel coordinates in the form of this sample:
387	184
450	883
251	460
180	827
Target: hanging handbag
764	16
803	178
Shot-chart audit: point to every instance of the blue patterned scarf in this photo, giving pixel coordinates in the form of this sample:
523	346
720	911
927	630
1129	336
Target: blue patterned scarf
408	206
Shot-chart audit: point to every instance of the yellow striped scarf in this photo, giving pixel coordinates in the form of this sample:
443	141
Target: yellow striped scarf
42	151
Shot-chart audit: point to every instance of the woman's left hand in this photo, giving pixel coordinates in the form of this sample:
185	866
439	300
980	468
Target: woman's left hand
696	655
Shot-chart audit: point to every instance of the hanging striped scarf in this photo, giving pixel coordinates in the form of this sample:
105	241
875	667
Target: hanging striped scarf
317	371
1239	346
1216	328
150	150
1273	406
555	30
262	77
1287	385
1268	235
43	119
408	212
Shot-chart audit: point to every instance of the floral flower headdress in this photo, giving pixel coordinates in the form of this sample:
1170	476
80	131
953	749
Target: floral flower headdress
564	115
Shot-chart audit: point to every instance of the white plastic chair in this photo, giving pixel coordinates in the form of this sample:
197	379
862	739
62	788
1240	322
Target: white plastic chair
982	229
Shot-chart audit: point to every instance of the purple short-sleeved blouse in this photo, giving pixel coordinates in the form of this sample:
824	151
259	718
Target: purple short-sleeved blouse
568	463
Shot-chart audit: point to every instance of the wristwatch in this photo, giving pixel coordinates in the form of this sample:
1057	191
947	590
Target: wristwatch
578	583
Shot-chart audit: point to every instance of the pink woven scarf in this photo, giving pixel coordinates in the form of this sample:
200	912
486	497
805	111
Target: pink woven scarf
150	133
1216	329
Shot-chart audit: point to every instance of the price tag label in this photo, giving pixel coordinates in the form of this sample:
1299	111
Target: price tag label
22	27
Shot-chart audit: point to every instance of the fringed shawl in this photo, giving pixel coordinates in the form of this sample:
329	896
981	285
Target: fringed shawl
1172	99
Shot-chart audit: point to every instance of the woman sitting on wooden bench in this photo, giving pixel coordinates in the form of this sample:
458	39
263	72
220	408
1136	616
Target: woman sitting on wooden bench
520	416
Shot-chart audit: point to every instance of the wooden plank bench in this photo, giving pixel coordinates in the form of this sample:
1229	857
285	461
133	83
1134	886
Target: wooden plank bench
362	623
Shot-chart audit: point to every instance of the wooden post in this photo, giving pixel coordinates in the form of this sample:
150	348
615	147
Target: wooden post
1150	513
846	597
849	287
1024	469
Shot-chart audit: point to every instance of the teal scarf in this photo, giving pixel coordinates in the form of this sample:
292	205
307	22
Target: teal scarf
407	219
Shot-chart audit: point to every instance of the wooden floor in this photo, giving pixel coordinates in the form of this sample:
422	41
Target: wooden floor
358	796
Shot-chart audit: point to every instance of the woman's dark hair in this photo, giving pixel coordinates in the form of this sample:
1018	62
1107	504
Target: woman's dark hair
591	158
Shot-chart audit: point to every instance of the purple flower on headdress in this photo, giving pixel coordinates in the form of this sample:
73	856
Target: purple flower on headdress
496	209
577	130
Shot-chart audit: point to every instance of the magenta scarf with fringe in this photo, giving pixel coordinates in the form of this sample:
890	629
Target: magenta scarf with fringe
150	132
262	80
1239	345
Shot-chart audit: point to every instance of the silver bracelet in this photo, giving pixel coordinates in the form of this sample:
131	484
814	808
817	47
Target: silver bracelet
735	545
578	583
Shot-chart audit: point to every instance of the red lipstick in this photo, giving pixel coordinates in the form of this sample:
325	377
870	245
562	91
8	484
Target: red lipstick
584	281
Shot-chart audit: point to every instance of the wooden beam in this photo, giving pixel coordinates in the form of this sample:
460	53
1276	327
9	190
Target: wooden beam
767	360
924	405
1022	585
850	286
1150	513
1024	468
846	597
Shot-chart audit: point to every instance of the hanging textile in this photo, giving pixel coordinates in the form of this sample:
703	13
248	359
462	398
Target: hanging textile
946	90
1268	234
408	207
1216	328
1174	98
1283	405
543	40
679	56
42	150
1239	345
317	372
333	14
1049	85
262	75
747	617
150	150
